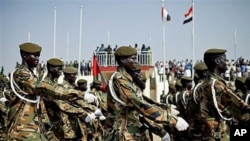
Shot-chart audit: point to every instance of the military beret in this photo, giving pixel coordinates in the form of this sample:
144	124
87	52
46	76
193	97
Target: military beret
200	66
241	80
178	83
97	82
172	86
55	62
30	47
81	81
214	52
70	70
247	81
186	78
125	51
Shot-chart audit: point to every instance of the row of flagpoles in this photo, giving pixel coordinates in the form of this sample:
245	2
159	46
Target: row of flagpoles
189	16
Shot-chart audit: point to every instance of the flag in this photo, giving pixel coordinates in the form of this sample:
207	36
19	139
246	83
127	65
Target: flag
188	15
165	16
96	69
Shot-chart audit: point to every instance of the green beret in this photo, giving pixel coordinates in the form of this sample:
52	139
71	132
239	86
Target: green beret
55	62
247	81
125	51
240	80
186	78
97	82
81	81
172	86
214	52
30	47
200	66
178	83
70	70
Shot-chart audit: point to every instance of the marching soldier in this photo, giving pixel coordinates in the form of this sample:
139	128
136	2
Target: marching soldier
125	104
218	104
240	87
247	98
24	122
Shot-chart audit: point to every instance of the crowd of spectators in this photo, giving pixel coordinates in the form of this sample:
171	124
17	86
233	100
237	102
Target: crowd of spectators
175	69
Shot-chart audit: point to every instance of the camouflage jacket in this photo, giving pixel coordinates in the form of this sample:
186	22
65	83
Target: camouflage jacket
124	118
217	105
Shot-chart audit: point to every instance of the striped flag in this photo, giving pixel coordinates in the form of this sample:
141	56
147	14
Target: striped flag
165	16
188	15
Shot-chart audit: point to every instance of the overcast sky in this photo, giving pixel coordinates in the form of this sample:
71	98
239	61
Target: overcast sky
127	22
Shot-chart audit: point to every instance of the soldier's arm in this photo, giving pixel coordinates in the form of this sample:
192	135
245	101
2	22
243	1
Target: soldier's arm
128	95
229	102
31	85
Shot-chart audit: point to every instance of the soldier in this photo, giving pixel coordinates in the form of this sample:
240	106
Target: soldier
4	90
82	85
182	100
217	102
150	126
201	71
60	110
125	103
23	116
240	87
163	97
247	98
171	93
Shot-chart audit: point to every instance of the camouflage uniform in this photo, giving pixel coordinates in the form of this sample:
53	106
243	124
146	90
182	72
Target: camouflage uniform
22	111
4	89
217	102
123	122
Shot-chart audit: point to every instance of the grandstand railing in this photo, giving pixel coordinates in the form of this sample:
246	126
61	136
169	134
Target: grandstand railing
108	59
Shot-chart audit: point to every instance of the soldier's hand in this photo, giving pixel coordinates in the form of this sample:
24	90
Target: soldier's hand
181	124
102	118
173	110
90	98
98	113
90	117
166	137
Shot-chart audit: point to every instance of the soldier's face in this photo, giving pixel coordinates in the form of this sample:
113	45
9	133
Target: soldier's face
32	59
130	63
222	65
56	71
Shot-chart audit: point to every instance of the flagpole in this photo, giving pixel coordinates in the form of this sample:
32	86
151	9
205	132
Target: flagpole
163	46
29	37
235	45
108	37
80	42
67	47
193	46
149	37
54	32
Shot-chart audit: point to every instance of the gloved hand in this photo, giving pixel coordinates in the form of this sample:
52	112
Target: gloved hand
173	110
90	117
102	118
90	98
181	124
98	113
3	99
166	137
